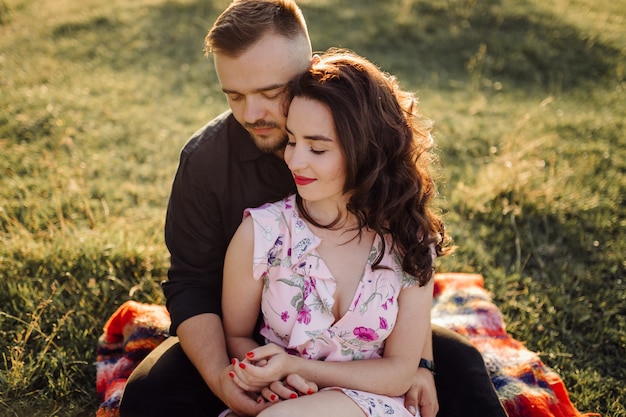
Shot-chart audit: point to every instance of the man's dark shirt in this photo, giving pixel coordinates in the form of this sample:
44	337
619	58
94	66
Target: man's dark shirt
221	173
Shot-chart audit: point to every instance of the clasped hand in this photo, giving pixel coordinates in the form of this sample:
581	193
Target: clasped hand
267	370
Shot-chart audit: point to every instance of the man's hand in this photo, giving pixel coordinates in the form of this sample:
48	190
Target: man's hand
422	394
240	402
202	340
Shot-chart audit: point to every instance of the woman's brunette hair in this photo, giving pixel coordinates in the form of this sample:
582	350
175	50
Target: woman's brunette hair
386	144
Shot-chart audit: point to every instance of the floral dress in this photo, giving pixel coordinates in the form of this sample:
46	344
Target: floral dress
298	298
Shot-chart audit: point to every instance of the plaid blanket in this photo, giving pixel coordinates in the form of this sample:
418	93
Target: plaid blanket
525	385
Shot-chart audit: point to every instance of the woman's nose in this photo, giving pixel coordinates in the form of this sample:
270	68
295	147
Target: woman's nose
295	158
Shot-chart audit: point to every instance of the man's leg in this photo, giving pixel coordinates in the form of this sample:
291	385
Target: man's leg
464	387
166	384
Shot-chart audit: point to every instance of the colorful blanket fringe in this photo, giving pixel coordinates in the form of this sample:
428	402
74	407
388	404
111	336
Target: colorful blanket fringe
129	335
526	387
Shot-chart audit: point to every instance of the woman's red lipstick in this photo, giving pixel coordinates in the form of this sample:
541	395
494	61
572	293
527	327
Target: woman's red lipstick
302	180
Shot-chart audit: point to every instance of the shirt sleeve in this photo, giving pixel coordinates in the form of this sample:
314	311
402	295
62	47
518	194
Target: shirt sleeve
269	239
195	238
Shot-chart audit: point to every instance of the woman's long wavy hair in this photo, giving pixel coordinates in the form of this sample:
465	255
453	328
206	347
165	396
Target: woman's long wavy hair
387	145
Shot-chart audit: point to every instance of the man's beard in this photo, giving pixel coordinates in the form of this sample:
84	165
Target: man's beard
267	144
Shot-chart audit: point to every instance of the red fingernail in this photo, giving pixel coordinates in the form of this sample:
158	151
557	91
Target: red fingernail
259	400
293	395
273	397
250	355
310	391
233	361
242	365
231	374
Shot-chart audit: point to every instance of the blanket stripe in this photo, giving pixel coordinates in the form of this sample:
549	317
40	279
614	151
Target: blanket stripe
525	385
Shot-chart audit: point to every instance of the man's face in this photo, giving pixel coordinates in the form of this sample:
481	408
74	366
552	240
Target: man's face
254	84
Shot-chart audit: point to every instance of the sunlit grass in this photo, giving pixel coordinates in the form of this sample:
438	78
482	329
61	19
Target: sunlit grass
97	98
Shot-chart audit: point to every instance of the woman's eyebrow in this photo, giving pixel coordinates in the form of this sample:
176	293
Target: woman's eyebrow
311	137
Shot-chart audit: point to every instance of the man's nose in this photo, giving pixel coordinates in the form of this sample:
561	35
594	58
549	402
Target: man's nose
253	110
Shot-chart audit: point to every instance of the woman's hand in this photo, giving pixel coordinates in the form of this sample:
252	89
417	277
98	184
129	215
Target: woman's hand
261	367
268	370
291	387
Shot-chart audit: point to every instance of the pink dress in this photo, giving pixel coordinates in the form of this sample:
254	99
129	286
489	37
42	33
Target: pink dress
298	298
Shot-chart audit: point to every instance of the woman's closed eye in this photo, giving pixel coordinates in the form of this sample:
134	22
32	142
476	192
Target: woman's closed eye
292	144
317	151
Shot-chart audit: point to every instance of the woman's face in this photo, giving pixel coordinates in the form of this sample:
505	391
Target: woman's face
313	154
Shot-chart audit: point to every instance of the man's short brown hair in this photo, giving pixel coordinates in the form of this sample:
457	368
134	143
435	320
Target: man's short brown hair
244	22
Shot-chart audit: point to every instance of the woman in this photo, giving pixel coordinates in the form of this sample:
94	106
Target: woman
342	271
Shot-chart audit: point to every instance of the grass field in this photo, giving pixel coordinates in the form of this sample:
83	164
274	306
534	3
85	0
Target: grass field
528	99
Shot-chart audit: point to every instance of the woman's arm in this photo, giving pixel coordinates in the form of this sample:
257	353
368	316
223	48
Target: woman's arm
241	293
390	375
241	304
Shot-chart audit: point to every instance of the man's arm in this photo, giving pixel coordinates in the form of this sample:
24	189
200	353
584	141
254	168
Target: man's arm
199	225
202	340
423	395
196	241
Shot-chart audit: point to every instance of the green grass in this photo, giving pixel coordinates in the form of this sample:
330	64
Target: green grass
97	98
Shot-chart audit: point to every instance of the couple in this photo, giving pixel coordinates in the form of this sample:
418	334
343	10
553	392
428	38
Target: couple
336	269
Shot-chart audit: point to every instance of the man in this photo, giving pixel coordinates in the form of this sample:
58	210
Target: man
233	163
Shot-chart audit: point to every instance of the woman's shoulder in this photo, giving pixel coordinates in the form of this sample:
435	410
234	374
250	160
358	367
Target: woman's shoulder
392	261
277	209
274	219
